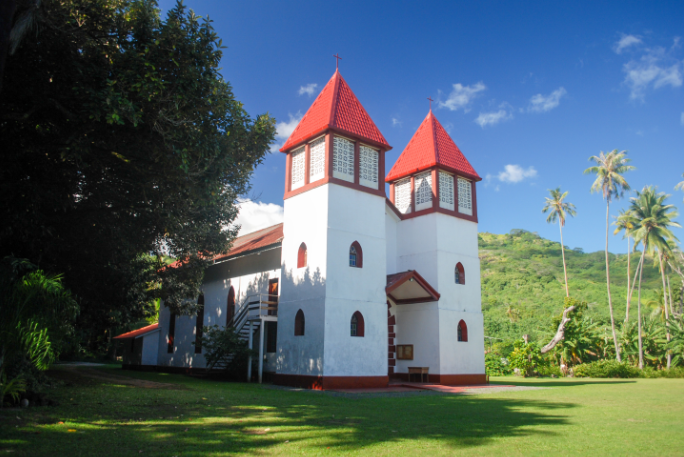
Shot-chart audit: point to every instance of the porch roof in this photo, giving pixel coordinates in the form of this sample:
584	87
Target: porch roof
409	287
138	333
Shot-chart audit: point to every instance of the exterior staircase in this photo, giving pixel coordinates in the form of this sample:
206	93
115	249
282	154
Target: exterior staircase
250	317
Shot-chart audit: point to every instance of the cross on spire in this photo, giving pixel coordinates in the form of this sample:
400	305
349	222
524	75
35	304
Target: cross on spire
431	100
337	62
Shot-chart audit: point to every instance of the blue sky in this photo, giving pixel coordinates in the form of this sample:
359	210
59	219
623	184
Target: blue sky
528	91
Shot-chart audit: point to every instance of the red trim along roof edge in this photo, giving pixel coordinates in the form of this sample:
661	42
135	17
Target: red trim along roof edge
138	333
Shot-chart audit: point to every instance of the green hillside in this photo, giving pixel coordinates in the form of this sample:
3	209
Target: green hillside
523	287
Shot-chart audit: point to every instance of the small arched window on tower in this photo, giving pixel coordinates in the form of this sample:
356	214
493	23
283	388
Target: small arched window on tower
301	256
355	255
459	274
299	323
462	331
357	325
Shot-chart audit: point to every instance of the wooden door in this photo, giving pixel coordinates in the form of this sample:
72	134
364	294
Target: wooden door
273	296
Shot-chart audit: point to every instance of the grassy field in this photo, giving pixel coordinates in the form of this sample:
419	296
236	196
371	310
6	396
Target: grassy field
199	417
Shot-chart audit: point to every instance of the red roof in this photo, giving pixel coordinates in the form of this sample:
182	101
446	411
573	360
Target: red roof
246	243
253	241
137	333
431	146
335	107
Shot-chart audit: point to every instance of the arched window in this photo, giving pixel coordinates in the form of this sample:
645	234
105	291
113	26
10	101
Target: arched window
230	308
299	323
301	256
199	324
355	255
357	327
462	331
459	273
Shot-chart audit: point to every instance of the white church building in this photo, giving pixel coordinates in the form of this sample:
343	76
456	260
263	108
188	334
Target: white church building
353	289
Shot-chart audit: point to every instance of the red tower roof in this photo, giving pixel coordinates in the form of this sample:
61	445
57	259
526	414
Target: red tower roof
336	107
431	146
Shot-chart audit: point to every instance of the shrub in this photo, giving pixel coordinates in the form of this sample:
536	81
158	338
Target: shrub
496	365
606	369
225	351
649	372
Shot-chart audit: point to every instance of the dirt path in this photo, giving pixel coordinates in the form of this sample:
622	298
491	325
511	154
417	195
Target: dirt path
118	379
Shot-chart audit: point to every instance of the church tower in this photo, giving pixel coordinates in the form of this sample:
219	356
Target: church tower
332	312
433	186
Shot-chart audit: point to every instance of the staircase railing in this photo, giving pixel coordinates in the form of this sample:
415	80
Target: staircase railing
254	307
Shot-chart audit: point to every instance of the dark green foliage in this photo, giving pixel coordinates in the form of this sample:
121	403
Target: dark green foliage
497	366
581	342
527	357
606	369
36	317
224	350
522	284
119	133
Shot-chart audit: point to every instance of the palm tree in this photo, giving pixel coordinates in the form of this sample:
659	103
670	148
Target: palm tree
680	186
654	219
558	209
625	221
609	180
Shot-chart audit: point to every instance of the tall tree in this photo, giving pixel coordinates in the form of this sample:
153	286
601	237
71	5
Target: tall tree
654	218
680	186
558	210
119	134
625	222
610	182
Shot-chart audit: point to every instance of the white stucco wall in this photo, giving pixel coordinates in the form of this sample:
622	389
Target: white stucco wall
305	220
391	227
356	216
418	324
150	349
432	245
248	275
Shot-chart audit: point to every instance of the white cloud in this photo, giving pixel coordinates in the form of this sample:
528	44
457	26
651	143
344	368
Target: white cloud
396	122
540	103
625	42
682	119
285	129
308	89
255	216
656	68
461	96
493	117
515	173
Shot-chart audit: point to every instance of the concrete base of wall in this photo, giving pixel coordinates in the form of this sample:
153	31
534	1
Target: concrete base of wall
331	382
446	379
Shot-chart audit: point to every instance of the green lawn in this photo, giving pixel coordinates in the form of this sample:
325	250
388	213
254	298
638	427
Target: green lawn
577	417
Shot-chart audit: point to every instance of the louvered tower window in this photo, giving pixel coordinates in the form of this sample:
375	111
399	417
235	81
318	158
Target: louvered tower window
402	195
446	190
368	168
423	190
298	167
343	159
465	197
317	167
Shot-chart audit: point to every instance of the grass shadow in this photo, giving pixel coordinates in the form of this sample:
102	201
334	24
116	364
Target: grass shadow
215	418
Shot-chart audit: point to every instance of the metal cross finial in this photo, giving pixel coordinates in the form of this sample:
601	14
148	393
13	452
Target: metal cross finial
337	62
431	100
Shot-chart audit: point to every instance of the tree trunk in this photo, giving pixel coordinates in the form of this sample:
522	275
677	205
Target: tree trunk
669	295
560	333
629	295
667	314
610	300
641	273
634	280
565	271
